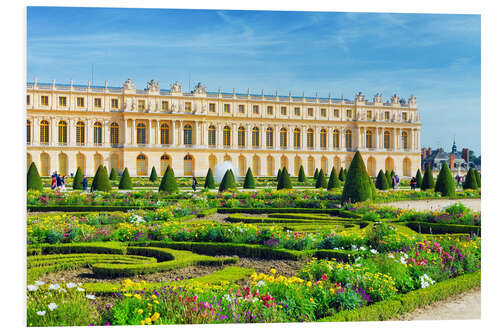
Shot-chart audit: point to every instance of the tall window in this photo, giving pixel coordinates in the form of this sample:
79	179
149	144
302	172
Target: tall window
44	100
255	137
310	112
97	162
323	113
113	162
283	137
369	114
270	166
296	138
141	133
387	115
62	132
227	108
336	113
212	136
188	165
387	140
164	163
404	139
212	162
80	133
164	105
241	108
348	139
322	139
63	101
114	103
44	132
28	131
97	102
28	101
211	107
269	137
336	137
141	165
44	164
97	133
297	111
80	162
188	135
241	136
164	134
63	164
115	134
255	109
369	139
310	138
80	102
269	110
187	107
405	116
283	110
310	166
226	138
141	105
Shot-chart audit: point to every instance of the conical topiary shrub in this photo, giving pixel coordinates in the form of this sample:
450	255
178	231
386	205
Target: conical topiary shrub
34	179
209	179
101	180
341	174
445	183
478	177
320	180
316	173
168	182
125	181
428	180
302	175
345	174
334	181
470	180
278	176
106	171
388	177
284	182
381	182
393	174
113	175
249	180
78	179
418	178
153	176
228	182
358	186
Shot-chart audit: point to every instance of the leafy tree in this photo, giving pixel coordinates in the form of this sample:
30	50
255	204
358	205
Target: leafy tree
228	181
381	182
478	177
428	180
34	179
284	182
168	182
209	179
101	180
316	173
249	180
153	176
125	181
358	185
445	183
302	175
320	180
78	179
470	180
418	178
113	175
333	182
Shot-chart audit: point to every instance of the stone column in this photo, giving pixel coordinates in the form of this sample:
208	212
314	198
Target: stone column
106	133
181	132
234	136
175	139
150	130
88	136
249	130
276	137
134	133
394	140
53	131
36	130
262	142
124	131
218	139
303	138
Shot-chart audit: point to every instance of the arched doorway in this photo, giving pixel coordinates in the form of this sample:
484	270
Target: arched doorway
188	165
242	165
372	166
407	167
389	164
256	165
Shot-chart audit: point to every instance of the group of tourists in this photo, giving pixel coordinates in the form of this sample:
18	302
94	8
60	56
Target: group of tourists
395	182
413	183
460	180
58	182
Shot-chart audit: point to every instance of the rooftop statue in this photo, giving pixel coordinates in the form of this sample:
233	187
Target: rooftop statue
128	85
153	86
175	88
199	89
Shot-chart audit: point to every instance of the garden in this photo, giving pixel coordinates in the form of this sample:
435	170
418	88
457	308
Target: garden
273	250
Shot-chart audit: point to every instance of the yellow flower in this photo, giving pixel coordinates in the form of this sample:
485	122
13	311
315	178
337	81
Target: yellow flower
142	322
154	296
156	302
140	311
272	270
155	316
309	283
138	296
311	299
332	291
128	295
148	321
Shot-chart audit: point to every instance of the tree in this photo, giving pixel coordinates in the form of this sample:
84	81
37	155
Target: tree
279	175
316	173
228	181
113	175
381	182
78	179
125	181
101	180
249	180
418	178
358	185
445	183
153	176
388	177
478	177
320	180
345	174
34	179
209	179
284	182
341	174
393	174
333	182
168	183
302	175
470	180
428	180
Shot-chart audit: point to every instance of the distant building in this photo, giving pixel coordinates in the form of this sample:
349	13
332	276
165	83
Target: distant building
457	161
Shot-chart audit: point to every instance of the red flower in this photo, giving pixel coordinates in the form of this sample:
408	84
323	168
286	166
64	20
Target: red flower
324	277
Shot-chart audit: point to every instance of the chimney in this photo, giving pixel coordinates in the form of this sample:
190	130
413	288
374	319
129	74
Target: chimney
429	151
452	161
424	151
465	154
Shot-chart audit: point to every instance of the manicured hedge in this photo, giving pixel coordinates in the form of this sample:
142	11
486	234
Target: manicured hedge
97	247
64	208
238	217
207	212
443	228
333	211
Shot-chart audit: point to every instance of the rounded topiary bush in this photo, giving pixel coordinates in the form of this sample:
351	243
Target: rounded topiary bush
34	179
428	180
418	178
125	181
168	182
228	181
153	176
113	175
381	182
209	179
284	182
78	179
101	180
320	180
334	181
249	180
470	180
358	185
302	175
445	183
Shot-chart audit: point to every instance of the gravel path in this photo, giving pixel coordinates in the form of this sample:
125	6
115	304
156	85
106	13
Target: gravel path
435	204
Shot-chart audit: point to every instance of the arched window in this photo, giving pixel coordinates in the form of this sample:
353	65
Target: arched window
44	132
63	164
296	138
188	165
296	166
255	137
164	163
404	140
387	140
269	137
97	162
336	137
62	132
242	165
324	165
141	165
270	166
97	133
80	133
188	135
348	139
212	136
283	137
80	162
226	138
369	139
284	162
115	134
256	165
113	162
164	134
310	166
212	162
322	139
371	166
28	131
141	134
241	136
407	167
310	138
44	164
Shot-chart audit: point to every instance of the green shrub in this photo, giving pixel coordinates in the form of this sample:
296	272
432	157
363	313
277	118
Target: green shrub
334	181
428	180
302	175
249	180
358	185
470	180
101	180
153	176
168	183
125	181
389	178
341	174
381	182
78	179
34	180
444	183
228	182
320	180
278	176
113	175
478	177
284	182
443	228
393	174
316	173
209	179
418	178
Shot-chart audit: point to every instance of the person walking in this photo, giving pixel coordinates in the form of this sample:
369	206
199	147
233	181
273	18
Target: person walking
58	182
393	182
53	184
85	183
195	182
63	183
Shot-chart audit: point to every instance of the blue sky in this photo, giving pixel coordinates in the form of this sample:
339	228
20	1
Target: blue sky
437	58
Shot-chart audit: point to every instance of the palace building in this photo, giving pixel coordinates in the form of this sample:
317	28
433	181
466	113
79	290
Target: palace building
70	126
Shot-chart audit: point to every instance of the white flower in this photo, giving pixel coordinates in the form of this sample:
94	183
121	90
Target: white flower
90	296
70	285
403	260
52	306
426	281
80	289
390	255
39	283
40	313
362	248
32	287
53	286
357	259
227	297
261	283
373	251
62	290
